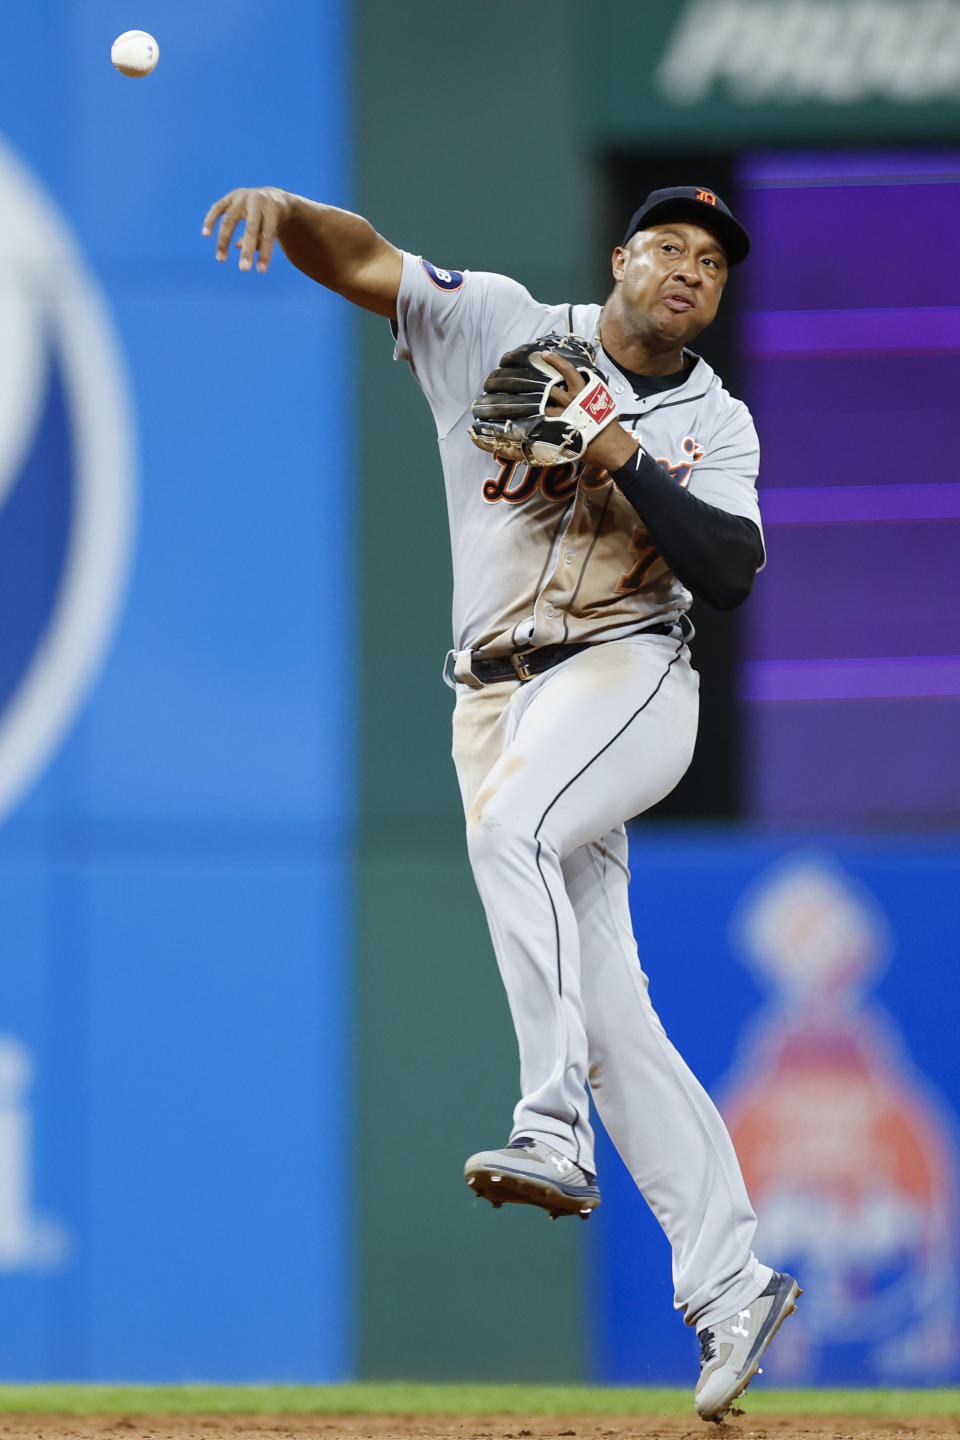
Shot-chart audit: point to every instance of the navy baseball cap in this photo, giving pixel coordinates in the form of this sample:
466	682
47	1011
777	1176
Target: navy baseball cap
701	207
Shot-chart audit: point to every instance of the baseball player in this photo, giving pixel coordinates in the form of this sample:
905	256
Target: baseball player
598	476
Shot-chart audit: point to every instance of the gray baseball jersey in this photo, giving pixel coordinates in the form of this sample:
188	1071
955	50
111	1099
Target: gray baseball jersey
538	558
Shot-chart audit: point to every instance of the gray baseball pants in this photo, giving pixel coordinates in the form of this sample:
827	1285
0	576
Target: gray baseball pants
549	771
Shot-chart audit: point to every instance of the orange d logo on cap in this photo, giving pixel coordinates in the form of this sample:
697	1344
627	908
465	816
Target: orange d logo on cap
707	196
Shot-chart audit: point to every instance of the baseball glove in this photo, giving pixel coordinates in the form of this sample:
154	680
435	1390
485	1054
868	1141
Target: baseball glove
509	414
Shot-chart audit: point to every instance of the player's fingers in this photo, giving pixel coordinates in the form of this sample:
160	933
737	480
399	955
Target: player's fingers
215	210
569	375
230	219
268	235
251	236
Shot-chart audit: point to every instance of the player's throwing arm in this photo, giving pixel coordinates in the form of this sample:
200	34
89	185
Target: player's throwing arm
334	247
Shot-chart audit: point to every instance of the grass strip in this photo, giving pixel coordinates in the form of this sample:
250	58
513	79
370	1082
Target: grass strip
403	1398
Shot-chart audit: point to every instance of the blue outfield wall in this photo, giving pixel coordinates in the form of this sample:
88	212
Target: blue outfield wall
812	984
176	753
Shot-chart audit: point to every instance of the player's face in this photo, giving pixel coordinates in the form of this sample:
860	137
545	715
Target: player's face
671	279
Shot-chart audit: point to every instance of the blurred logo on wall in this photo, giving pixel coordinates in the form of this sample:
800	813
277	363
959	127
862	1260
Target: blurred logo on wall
28	1241
849	1154
66	479
826	52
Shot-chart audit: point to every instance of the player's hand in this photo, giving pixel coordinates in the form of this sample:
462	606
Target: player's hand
614	445
534	409
262	211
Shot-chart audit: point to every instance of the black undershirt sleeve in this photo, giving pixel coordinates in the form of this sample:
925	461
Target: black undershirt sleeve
714	554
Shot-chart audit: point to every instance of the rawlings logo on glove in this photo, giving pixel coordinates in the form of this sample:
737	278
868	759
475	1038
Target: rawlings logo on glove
509	414
598	403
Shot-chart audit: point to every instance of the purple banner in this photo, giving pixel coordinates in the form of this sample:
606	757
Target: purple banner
799	168
860	504
864	420
926	330
851	341
895	678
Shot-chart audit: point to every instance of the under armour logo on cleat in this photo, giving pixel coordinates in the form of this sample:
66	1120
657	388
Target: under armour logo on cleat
740	1328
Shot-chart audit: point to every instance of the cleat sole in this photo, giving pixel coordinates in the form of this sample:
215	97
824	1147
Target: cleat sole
502	1188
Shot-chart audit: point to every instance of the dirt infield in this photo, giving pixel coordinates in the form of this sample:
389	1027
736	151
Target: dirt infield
476	1427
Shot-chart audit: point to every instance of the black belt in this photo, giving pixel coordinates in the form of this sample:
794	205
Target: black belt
525	664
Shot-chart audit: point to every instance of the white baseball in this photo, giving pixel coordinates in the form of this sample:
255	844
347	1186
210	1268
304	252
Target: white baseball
135	52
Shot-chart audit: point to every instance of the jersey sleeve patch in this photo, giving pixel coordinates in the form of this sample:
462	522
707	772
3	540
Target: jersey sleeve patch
443	279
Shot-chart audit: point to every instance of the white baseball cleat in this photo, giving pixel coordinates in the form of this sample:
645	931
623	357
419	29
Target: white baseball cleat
731	1351
530	1172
